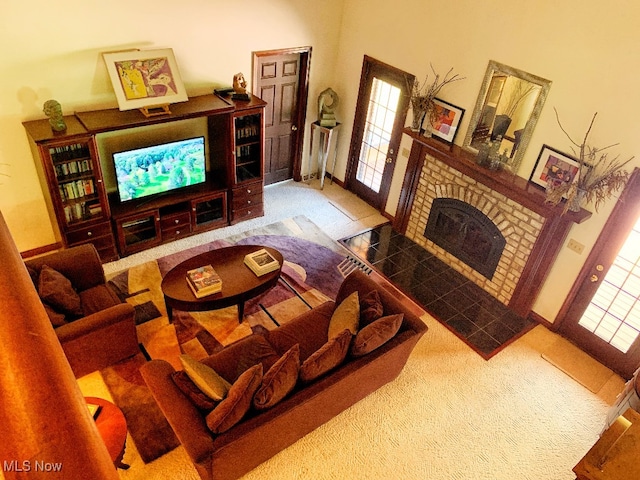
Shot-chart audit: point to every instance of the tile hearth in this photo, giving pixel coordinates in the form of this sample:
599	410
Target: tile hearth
482	321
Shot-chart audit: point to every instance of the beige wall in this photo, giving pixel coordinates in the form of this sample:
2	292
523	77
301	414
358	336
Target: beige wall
53	50
588	48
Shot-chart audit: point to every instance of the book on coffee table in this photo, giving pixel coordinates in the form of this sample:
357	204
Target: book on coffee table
261	262
204	281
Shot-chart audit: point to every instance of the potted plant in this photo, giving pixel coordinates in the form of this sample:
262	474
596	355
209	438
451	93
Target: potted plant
422	98
599	176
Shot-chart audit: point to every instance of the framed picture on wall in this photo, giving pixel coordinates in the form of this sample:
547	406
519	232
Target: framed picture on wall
145	78
446	120
554	167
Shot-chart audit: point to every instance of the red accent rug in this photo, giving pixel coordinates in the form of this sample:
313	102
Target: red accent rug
311	268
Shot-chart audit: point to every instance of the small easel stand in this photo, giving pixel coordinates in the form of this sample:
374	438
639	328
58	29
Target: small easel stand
328	135
155	110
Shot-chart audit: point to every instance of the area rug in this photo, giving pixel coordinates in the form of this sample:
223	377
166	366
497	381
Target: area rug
312	273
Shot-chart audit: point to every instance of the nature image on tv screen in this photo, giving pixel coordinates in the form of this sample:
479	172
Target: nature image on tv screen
159	168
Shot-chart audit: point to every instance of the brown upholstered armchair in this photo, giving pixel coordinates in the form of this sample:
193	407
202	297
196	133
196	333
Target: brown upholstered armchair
103	330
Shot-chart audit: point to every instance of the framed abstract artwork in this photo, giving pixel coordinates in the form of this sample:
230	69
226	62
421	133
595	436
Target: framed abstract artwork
554	167
446	120
145	79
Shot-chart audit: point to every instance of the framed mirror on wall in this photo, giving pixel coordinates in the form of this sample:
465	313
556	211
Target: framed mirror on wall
506	111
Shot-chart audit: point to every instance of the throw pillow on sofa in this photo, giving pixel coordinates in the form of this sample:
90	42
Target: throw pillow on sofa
205	378
233	360
237	403
371	308
56	290
376	334
192	392
279	380
328	357
346	315
57	319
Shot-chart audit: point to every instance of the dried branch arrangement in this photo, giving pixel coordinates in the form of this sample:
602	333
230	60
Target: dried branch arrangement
422	95
599	175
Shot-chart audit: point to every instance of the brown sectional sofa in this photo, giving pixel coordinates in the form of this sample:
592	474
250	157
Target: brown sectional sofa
262	434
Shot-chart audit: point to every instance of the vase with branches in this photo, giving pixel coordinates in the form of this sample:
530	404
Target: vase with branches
599	175
422	96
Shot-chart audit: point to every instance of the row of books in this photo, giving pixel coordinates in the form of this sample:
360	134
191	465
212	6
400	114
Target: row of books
243	151
69	152
205	280
71	168
247	131
81	211
76	189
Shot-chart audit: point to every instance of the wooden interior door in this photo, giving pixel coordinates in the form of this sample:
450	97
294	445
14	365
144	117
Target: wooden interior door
383	101
602	312
280	77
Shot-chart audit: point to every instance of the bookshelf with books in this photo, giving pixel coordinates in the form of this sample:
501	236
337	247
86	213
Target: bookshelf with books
73	177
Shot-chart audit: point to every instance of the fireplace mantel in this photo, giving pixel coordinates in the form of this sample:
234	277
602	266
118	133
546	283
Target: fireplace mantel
554	230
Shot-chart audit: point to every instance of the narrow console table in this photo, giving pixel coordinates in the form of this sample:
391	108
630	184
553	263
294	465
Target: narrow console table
328	141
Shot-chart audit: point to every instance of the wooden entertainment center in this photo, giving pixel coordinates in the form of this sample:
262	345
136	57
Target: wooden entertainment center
72	174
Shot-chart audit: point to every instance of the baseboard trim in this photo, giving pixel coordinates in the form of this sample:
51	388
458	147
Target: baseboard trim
542	321
34	252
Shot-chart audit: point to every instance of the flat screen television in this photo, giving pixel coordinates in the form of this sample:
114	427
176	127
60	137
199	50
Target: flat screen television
158	169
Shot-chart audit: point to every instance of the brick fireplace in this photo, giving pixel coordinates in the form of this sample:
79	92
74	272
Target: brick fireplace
533	232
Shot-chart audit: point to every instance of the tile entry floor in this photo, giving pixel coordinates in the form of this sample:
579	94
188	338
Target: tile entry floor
480	320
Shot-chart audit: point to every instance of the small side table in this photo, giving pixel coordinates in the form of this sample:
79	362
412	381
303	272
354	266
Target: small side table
112	427
328	136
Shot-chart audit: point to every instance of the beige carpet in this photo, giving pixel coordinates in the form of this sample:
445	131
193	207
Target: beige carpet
577	364
450	415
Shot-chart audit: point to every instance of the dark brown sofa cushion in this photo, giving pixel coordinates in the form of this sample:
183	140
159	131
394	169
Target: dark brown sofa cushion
192	392
235	359
309	331
279	380
98	298
237	403
56	290
328	357
376	334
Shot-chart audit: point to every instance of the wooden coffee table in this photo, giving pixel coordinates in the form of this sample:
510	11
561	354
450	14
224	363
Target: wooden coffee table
239	283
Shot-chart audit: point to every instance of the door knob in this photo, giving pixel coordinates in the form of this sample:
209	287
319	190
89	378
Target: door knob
389	160
594	278
294	128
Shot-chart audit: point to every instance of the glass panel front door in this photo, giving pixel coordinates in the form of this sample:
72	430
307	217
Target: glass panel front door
381	116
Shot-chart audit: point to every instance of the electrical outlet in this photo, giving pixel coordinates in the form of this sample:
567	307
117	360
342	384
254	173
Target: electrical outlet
405	152
575	246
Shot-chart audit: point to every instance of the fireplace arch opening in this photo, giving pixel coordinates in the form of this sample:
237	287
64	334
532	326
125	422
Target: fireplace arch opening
466	233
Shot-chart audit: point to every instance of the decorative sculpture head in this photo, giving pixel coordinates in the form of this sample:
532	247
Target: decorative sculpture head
53	110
